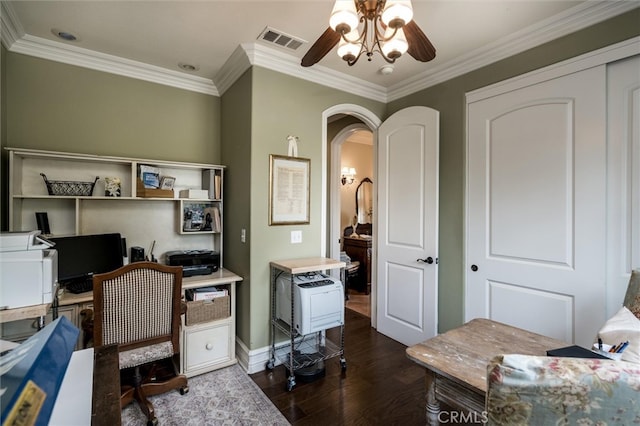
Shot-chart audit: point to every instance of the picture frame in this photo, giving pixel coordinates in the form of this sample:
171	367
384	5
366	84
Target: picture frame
289	183
167	182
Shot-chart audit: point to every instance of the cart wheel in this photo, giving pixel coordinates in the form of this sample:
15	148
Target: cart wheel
152	422
343	364
270	364
291	383
184	390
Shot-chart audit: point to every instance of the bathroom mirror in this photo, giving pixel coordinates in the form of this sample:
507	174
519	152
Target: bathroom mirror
364	201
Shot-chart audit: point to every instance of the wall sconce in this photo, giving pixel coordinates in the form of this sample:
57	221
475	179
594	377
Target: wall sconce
348	175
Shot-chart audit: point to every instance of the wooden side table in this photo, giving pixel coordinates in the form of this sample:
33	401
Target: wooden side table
456	361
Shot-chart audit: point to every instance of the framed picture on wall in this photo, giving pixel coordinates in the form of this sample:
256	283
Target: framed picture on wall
288	190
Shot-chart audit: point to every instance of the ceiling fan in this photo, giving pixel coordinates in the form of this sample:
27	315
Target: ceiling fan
367	26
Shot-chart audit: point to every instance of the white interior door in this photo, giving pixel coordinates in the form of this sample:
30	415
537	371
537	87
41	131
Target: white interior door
407	233
536	207
623	189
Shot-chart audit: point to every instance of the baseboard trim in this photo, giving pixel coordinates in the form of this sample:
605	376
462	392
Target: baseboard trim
255	361
252	361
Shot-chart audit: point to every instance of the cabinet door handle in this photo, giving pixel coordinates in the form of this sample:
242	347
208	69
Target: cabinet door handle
209	346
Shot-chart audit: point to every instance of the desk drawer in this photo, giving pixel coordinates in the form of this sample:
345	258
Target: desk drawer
206	346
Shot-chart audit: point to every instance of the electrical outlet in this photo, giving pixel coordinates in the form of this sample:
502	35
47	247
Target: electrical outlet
296	237
243	236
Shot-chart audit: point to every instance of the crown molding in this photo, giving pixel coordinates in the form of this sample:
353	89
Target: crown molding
72	55
15	40
275	60
11	29
567	22
255	54
246	55
232	70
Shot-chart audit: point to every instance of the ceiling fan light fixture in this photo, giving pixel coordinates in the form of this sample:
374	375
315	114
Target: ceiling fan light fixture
397	13
344	17
396	46
364	27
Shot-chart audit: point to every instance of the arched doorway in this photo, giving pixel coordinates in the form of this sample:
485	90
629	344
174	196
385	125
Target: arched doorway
331	181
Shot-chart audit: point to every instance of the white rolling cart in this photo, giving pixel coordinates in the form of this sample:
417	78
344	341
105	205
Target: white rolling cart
305	303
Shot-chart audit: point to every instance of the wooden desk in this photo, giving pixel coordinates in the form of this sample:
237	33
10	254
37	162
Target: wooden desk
456	361
25	312
105	407
90	390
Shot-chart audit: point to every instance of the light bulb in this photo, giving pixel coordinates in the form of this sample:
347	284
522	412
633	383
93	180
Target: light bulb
348	50
344	17
397	13
395	47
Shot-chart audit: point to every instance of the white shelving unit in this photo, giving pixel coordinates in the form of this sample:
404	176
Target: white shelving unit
141	216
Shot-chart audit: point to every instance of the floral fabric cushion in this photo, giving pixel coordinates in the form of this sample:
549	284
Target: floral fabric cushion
536	390
632	298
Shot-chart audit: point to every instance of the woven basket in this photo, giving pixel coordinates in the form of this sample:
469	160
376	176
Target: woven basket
207	310
69	188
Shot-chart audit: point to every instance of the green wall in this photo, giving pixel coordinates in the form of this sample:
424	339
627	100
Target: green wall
60	107
449	99
236	153
282	106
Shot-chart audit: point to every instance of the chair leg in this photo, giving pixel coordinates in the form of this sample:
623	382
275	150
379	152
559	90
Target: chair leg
137	392
146	406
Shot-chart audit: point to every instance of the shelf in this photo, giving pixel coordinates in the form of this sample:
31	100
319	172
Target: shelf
141	220
308	351
310	264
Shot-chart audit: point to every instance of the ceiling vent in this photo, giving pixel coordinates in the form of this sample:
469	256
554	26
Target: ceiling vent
275	37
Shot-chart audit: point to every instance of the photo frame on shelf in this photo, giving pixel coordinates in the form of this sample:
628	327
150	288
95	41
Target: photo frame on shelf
288	190
167	182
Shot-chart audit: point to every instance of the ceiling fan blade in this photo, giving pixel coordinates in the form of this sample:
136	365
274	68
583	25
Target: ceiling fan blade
419	45
321	47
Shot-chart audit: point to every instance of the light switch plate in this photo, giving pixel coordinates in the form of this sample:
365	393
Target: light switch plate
296	237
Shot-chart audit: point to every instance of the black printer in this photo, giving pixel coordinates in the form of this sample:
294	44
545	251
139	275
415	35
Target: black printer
194	262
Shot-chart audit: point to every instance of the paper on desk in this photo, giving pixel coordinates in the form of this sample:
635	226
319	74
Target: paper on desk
73	404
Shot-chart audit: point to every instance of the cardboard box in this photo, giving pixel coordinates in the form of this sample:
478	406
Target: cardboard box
199	194
143	192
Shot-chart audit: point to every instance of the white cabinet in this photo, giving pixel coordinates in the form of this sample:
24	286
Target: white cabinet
142	216
210	344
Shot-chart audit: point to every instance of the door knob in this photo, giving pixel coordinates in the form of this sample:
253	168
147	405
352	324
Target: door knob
428	260
474	268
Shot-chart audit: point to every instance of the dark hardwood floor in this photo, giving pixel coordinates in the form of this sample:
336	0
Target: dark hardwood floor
381	386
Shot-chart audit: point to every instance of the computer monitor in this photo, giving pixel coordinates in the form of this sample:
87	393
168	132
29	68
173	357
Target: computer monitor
82	256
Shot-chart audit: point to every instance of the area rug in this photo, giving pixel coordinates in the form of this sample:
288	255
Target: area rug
223	397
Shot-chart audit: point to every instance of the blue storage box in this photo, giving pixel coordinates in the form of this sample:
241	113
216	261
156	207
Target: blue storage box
31	374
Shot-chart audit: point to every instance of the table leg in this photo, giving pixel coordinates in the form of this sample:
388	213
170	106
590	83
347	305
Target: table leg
433	406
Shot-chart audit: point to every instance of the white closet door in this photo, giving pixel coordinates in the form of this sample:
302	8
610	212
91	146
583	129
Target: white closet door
536	213
623	156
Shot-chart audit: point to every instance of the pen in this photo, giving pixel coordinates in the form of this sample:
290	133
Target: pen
614	348
599	343
622	347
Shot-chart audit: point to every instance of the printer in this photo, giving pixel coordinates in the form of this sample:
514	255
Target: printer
194	262
28	269
318	301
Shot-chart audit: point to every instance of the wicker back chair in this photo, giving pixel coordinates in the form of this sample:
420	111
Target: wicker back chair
138	307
